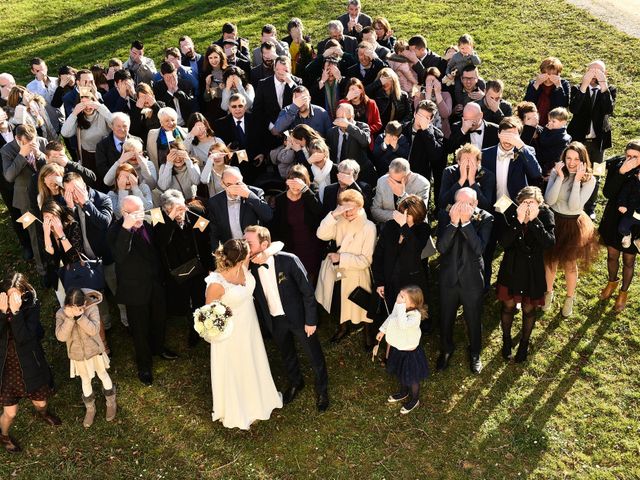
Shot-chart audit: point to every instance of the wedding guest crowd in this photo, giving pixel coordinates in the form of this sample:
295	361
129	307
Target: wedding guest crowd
351	153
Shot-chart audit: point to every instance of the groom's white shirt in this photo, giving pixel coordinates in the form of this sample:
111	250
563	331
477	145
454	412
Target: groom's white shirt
270	287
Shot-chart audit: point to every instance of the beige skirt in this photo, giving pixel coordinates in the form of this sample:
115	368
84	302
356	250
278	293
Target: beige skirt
88	368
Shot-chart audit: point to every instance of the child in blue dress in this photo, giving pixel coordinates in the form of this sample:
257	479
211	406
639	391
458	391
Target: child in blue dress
407	359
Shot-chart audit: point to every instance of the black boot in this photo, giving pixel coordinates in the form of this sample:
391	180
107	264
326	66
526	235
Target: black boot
506	320
528	322
341	332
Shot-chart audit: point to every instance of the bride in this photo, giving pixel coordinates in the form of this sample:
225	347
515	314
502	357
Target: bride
241	382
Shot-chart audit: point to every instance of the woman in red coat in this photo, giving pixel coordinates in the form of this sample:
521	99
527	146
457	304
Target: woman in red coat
365	109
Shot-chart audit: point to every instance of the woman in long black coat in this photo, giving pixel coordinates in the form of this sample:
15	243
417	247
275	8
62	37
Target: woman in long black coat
186	256
529	231
619	171
24	371
396	258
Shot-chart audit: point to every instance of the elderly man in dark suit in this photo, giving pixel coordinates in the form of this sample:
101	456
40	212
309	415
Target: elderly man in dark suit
592	103
21	158
463	233
473	129
140	289
348	172
272	95
336	32
109	149
286	300
354	20
239	206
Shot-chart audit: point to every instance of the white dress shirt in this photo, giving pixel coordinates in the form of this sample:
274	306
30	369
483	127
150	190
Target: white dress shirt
592	98
270	287
279	91
503	159
8	136
478	136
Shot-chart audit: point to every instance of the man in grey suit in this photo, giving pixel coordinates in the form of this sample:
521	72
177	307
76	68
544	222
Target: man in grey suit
21	159
396	185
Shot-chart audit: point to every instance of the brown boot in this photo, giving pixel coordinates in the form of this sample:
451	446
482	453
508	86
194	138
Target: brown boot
90	404
9	444
110	397
621	302
609	289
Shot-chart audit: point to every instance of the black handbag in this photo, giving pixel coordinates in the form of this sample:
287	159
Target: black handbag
84	273
187	270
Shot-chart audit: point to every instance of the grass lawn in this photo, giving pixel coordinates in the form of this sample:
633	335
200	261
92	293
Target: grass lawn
571	412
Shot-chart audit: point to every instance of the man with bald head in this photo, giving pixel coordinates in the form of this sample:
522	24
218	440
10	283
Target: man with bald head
138	273
463	234
234	209
473	129
592	103
7	82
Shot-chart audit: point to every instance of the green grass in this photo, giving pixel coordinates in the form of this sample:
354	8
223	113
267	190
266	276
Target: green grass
571	412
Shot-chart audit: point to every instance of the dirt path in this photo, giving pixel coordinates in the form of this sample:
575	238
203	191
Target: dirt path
622	14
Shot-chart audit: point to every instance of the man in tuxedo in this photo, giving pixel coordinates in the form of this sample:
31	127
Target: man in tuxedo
21	158
592	103
272	95
421	58
175	92
350	139
239	206
142	68
463	233
122	96
302	111
286	300
428	156
494	107
368	66
336	32
138	271
269	35
240	131
109	149
348	172
515	166
473	129
396	185
354	21
190	58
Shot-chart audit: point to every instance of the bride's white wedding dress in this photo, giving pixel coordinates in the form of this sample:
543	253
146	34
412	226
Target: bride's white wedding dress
241	381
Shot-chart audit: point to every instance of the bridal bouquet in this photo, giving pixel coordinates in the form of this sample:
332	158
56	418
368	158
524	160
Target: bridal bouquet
213	321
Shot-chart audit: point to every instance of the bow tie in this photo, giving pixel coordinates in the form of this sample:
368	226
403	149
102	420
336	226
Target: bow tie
506	156
475	131
263	265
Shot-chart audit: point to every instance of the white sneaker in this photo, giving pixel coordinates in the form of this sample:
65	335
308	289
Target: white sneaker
626	241
548	301
404	410
567	308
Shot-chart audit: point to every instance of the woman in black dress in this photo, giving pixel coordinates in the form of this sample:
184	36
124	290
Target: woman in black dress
24	372
529	231
620	171
296	217
396	258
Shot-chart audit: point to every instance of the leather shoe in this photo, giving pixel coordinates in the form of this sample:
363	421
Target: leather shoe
146	378
322	402
291	393
168	354
443	361
475	364
343	331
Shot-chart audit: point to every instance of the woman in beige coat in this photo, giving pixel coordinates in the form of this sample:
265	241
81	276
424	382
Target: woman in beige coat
350	266
78	324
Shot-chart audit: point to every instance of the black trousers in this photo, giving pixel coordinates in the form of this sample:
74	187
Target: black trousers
471	301
6	190
148	324
283	335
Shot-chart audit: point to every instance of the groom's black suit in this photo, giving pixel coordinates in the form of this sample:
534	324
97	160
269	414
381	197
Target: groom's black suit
299	304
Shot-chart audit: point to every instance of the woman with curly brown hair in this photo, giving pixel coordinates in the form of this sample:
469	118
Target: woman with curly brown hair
571	183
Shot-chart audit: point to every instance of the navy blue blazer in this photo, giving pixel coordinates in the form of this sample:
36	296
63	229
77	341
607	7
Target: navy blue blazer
98	212
296	292
485	187
524	169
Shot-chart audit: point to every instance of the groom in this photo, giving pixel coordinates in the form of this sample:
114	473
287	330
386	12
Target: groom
287	302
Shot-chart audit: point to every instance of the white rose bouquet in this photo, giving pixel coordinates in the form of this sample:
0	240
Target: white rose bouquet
213	321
